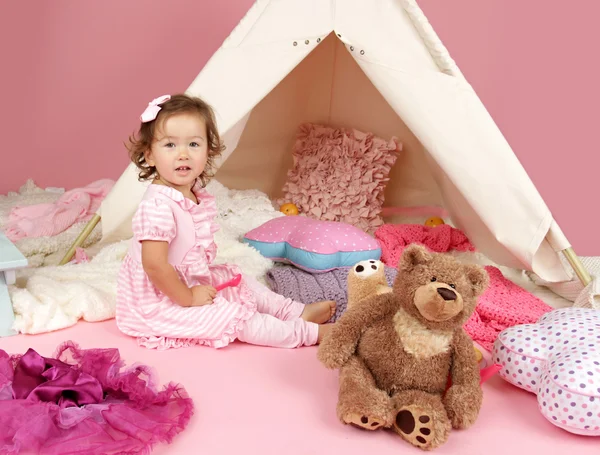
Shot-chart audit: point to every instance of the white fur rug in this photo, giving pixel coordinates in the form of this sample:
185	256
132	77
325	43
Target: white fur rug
48	297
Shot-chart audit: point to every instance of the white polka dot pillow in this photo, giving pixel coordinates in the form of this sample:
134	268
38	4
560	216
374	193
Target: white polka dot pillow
313	245
558	359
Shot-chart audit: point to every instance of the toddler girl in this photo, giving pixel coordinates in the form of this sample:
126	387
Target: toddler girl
166	295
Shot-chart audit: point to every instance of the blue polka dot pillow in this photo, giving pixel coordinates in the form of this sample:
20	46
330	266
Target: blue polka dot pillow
313	245
558	359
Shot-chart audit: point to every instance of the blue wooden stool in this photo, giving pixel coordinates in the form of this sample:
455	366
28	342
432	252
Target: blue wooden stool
10	260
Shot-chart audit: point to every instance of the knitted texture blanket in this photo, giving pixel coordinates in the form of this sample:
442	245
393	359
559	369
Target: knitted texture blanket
503	305
393	238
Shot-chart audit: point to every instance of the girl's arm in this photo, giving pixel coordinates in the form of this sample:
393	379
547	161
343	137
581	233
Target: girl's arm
162	274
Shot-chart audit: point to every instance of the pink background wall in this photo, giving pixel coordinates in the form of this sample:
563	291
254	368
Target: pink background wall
75	76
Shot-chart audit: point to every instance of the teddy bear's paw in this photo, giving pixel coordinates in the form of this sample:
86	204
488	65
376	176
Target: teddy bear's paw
462	405
330	358
334	352
363	421
422	427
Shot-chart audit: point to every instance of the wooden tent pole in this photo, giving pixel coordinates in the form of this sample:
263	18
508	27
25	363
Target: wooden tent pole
87	230
578	267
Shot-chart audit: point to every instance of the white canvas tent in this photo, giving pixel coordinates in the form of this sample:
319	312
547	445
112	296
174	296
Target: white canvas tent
378	66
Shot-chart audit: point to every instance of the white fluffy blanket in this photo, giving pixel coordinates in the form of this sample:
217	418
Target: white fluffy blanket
48	297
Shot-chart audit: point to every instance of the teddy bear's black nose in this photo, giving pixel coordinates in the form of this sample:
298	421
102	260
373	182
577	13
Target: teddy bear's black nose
446	294
359	268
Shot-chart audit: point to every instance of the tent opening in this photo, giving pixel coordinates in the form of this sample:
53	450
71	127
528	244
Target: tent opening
328	87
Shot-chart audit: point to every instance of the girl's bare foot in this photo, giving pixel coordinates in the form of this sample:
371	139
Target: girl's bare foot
319	312
324	329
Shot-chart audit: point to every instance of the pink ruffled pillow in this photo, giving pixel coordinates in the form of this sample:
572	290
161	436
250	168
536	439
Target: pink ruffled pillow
340	175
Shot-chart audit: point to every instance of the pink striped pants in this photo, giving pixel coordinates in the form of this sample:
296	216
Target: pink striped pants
277	322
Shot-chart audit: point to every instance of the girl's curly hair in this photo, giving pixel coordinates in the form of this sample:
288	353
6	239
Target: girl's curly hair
178	104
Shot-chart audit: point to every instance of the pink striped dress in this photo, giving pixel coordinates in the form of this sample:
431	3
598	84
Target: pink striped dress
145	312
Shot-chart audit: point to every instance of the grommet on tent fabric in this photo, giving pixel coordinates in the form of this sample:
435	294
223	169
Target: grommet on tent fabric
352	48
362	52
306	42
295	43
318	40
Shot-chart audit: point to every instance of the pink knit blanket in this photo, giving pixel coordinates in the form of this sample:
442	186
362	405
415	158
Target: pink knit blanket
46	220
393	238
504	304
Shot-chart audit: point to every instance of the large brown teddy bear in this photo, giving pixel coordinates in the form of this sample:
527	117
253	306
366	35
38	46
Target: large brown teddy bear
396	351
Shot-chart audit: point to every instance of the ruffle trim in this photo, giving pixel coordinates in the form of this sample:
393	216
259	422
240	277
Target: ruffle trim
204	212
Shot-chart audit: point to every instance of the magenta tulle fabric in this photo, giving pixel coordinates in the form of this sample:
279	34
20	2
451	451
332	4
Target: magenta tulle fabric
85	402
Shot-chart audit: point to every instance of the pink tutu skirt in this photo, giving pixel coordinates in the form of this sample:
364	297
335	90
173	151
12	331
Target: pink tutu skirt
82	402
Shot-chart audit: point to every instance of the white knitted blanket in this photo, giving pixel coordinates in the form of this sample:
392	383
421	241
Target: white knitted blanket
582	297
49	297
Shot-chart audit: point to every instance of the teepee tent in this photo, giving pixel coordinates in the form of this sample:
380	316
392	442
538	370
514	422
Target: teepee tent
377	66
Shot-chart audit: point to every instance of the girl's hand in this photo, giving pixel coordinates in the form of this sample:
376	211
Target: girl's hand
203	295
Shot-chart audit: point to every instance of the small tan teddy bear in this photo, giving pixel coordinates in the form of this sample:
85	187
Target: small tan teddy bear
396	350
366	279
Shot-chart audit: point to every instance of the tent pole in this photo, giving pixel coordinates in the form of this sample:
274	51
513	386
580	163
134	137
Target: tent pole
87	230
578	267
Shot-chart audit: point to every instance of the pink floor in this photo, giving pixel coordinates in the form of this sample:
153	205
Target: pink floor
254	400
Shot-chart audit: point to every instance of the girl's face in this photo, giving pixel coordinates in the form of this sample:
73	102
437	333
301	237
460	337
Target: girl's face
180	150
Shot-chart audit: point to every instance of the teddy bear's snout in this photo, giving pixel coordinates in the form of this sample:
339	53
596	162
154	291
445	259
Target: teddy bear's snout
446	294
437	303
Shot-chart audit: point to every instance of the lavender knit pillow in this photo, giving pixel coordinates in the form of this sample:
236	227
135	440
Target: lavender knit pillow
305	287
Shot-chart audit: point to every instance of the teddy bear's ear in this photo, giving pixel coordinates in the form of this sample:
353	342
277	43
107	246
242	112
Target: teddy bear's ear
414	255
478	278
